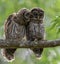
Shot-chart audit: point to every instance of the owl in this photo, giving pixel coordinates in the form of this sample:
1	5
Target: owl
35	29
15	29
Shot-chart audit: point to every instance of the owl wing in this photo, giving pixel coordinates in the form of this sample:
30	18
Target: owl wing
13	30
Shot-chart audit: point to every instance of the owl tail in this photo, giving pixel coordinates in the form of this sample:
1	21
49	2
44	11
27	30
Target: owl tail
38	52
8	54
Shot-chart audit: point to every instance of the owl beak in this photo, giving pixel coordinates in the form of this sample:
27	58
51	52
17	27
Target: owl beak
38	17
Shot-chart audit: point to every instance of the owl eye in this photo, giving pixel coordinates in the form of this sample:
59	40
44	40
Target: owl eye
35	14
41	14
26	15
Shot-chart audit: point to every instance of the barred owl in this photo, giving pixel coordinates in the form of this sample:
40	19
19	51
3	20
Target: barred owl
15	29
35	29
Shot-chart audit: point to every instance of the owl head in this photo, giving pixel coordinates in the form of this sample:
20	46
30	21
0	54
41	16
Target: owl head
37	14
23	16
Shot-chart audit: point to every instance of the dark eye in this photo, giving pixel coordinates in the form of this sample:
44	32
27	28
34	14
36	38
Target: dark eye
35	14
26	15
41	14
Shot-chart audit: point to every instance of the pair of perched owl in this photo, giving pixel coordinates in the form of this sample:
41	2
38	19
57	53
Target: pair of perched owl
25	23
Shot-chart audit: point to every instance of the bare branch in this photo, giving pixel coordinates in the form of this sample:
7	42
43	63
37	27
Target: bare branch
28	44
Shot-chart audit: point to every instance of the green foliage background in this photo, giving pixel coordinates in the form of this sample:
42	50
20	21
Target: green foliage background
52	28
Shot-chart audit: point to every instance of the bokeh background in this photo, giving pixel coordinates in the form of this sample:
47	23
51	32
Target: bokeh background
52	29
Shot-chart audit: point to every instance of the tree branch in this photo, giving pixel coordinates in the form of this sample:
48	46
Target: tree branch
28	44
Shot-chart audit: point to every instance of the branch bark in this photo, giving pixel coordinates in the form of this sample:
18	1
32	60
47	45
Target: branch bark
28	44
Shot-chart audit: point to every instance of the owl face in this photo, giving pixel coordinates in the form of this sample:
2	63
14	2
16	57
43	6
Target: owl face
26	16
37	14
22	17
